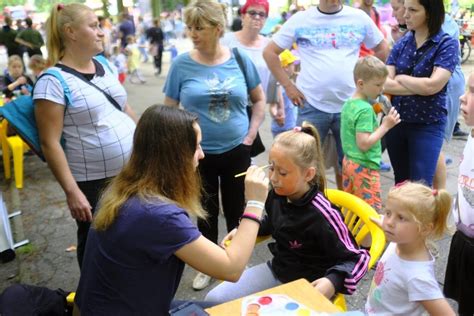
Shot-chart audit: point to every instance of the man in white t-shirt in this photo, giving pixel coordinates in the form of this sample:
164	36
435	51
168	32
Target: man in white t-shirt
328	38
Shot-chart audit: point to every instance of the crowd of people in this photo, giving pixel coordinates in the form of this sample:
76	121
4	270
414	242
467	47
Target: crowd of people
132	185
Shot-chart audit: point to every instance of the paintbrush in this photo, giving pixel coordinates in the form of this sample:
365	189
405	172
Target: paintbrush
244	173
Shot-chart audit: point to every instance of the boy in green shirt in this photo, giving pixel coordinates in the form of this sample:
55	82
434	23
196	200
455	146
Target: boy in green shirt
361	133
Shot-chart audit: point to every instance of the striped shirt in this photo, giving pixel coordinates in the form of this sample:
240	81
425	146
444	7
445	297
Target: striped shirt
98	137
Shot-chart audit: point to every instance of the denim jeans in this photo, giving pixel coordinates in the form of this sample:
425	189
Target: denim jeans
323	122
414	149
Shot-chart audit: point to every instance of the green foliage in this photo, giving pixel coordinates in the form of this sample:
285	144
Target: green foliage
4	3
170	5
46	5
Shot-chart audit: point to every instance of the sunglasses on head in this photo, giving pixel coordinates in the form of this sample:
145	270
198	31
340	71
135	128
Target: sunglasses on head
253	14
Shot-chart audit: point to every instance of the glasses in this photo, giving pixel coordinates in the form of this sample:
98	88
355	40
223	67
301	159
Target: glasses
254	14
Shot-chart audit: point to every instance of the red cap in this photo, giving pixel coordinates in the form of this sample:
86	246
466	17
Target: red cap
250	3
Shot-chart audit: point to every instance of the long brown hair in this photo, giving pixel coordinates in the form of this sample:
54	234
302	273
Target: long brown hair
161	165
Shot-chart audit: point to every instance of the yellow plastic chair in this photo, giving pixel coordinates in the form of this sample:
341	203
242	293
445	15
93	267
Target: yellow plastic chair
357	214
12	145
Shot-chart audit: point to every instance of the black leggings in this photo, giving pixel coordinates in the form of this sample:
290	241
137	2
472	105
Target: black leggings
92	190
218	171
158	57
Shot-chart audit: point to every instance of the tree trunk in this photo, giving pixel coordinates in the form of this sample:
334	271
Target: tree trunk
105	8
120	6
156	8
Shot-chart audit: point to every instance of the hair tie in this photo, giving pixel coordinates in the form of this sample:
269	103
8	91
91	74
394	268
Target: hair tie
60	6
399	184
435	192
297	129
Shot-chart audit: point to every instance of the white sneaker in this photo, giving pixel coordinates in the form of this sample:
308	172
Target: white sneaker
201	281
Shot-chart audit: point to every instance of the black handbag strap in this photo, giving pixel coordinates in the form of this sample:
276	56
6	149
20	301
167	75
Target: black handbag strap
83	78
241	64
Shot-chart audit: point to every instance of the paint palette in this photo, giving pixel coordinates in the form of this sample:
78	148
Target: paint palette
275	305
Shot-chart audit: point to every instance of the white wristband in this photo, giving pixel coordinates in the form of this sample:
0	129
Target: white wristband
256	204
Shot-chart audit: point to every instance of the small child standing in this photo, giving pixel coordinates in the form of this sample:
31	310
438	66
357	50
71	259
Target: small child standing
120	62
311	240
459	279
288	121
16	82
404	282
133	60
361	134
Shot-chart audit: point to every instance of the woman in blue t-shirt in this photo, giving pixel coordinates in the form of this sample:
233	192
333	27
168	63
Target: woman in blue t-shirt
420	66
142	235
208	81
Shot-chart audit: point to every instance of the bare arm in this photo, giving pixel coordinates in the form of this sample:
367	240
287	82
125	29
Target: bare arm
229	263
426	85
24	43
270	54
439	307
382	50
171	102
258	113
392	86
49	118
366	140
130	112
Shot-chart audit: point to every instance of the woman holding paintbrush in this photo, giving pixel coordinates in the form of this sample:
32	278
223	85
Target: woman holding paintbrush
209	82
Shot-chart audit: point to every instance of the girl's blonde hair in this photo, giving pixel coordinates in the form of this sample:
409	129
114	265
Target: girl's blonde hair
427	206
14	59
161	166
304	146
206	12
37	62
62	15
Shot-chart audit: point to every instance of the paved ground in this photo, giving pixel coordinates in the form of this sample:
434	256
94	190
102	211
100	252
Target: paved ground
47	224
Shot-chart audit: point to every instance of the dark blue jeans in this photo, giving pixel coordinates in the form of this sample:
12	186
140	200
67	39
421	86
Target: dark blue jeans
414	150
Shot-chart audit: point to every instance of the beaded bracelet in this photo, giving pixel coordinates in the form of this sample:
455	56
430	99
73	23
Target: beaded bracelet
256	204
251	217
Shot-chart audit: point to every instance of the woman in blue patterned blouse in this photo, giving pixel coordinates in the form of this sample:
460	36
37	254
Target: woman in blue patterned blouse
420	66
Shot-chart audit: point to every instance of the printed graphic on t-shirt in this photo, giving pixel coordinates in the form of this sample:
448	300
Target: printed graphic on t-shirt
467	185
331	37
219	92
379	277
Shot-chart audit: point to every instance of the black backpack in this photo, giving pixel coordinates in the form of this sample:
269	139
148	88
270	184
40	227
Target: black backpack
29	300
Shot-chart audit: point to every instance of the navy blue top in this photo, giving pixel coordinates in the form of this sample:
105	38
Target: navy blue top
131	269
439	50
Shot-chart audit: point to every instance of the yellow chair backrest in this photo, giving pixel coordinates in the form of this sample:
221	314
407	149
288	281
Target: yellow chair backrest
357	214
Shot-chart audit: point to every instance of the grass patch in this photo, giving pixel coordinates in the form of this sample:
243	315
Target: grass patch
26	249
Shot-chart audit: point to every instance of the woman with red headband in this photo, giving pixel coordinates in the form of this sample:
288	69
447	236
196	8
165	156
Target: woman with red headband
254	14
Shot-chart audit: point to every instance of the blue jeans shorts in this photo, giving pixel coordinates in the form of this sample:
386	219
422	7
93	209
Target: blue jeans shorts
323	122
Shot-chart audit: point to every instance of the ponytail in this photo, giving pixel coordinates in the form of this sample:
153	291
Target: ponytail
305	146
60	16
443	202
54	42
320	177
426	205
